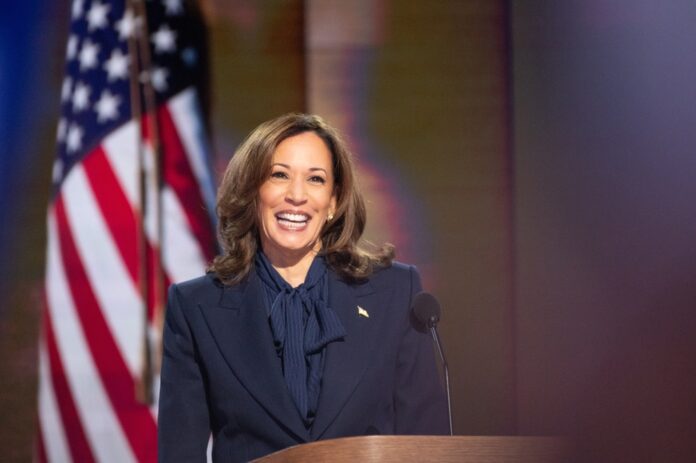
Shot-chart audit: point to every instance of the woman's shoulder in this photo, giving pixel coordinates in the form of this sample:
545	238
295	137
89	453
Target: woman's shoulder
396	267
394	272
199	286
398	282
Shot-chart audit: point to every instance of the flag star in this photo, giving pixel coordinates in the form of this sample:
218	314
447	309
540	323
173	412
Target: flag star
88	55
72	47
77	8
62	129
164	39
66	88
116	66
173	7
96	16
107	106
75	134
57	170
190	57
159	78
127	25
80	97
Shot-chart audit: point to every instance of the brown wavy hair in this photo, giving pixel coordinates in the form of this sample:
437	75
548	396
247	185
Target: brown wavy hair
237	207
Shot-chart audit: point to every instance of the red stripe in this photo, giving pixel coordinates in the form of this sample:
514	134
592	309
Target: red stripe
39	448
135	418
116	209
179	175
120	218
122	222
74	433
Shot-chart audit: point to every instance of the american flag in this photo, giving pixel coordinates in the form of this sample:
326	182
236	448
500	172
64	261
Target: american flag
130	213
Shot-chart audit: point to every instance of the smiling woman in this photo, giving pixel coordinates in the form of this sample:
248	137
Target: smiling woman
252	167
297	333
295	202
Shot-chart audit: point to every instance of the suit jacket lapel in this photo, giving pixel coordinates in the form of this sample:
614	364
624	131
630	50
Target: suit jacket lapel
346	360
239	324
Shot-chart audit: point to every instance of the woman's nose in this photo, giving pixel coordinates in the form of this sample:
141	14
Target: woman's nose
296	193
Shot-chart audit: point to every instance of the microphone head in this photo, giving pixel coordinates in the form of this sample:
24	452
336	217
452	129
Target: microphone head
425	310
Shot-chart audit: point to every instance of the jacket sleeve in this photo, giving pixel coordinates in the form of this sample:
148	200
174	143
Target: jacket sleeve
419	400
183	422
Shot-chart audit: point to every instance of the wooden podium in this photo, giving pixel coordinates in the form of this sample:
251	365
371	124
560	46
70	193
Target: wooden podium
445	449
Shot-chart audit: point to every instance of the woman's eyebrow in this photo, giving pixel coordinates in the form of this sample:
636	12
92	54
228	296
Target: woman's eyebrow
287	166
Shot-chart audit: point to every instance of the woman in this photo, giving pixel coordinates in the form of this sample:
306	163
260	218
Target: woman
296	333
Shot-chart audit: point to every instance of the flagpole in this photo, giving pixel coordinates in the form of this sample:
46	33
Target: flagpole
139	50
154	346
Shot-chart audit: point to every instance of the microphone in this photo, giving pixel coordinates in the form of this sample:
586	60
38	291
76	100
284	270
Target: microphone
426	311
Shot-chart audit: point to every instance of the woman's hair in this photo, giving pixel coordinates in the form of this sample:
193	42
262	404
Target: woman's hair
237	203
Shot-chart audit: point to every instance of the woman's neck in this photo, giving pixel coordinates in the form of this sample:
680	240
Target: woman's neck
292	267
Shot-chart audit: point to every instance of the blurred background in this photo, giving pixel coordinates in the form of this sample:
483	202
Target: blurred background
535	159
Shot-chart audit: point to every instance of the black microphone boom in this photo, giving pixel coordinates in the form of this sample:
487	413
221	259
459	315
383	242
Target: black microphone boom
426	310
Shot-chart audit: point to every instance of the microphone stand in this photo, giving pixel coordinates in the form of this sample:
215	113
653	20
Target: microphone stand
432	324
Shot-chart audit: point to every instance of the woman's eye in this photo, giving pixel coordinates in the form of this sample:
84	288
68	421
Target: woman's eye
317	179
279	175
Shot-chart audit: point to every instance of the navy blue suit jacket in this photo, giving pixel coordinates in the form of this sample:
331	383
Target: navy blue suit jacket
221	373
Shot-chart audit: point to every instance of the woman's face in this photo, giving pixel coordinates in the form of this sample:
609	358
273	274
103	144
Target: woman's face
296	198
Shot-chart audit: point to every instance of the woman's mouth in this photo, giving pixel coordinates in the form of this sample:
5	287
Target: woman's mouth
292	220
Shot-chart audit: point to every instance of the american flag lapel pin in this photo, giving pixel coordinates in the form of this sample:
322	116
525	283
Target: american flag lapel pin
363	313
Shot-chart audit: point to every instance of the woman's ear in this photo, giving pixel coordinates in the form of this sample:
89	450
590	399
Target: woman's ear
332	206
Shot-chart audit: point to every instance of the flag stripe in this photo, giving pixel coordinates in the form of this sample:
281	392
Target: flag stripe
55	441
155	300
101	269
40	450
121	149
136	421
86	389
188	118
120	219
183	254
179	176
117	211
79	447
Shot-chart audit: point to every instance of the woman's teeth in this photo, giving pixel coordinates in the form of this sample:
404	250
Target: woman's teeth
293	221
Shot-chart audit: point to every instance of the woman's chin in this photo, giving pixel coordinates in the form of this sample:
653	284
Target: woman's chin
292	247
